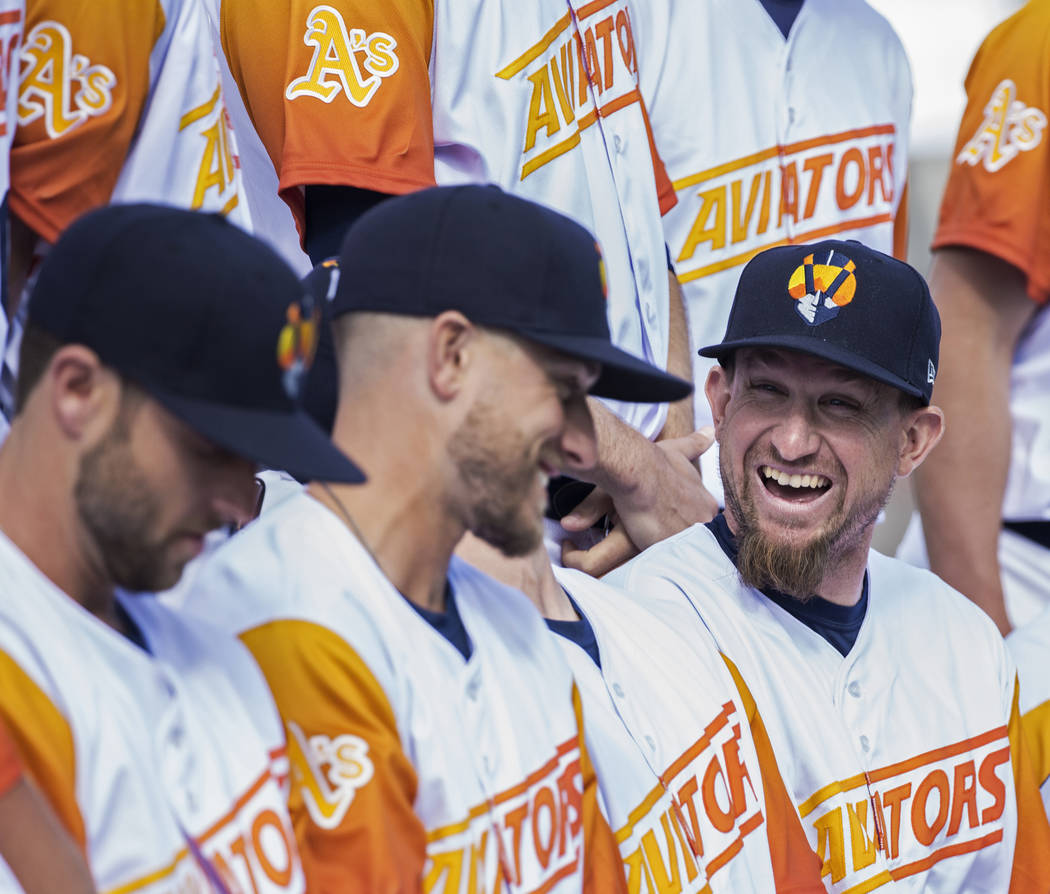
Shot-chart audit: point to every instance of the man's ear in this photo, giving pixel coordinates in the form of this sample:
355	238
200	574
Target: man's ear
718	389
84	394
922	430
452	342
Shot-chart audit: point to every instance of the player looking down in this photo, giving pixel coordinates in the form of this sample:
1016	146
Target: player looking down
889	699
435	727
158	367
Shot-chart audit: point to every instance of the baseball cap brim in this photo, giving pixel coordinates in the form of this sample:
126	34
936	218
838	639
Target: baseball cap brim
623	376
291	442
836	353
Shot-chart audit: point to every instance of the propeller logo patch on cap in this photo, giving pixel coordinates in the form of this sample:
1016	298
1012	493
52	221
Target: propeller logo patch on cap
822	287
297	343
601	271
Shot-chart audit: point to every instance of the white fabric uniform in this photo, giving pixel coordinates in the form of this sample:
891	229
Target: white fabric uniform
769	141
135	750
597	169
898	756
493	741
681	781
1029	647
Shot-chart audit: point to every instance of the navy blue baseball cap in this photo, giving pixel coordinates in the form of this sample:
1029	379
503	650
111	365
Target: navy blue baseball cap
205	318
842	301
503	262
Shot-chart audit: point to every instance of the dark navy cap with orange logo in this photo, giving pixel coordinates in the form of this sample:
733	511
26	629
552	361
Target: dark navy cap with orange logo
842	301
503	262
207	319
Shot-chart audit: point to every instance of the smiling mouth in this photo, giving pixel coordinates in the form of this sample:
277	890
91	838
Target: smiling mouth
793	485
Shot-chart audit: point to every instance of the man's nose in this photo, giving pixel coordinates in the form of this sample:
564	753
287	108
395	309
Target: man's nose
795	435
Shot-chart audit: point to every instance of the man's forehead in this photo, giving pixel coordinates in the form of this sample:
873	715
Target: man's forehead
786	360
562	366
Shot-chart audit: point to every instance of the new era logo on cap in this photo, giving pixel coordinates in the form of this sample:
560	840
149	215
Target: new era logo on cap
931	372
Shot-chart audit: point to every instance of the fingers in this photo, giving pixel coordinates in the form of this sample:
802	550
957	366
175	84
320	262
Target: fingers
693	445
597	504
611	552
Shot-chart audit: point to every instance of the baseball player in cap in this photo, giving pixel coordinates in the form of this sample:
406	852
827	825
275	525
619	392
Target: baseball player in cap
160	364
435	728
889	698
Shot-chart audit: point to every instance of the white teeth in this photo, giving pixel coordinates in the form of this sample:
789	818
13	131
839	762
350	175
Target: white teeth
796	481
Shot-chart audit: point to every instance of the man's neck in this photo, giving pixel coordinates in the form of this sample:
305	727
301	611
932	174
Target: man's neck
38	515
532	574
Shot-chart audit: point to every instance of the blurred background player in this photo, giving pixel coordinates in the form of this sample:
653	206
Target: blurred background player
113	107
12	15
160	362
435	728
779	121
356	101
33	843
890	700
991	281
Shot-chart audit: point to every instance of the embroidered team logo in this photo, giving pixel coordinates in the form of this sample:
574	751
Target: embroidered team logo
1009	127
823	289
350	62
328	772
297	343
61	86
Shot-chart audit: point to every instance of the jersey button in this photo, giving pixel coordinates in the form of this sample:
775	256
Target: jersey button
854	689
865	744
618	143
651	742
617	690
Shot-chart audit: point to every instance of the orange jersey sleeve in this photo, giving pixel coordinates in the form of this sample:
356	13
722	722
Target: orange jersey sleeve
85	79
796	868
44	741
664	187
352	786
10	765
1035	724
998	193
339	92
602	866
1031	869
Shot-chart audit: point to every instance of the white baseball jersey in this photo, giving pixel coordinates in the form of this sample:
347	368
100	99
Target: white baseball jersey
1029	647
412	765
682	778
539	97
904	757
120	107
149	759
769	141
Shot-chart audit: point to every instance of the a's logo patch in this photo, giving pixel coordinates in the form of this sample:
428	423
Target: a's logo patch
61	86
822	289
345	61
1009	127
328	772
297	343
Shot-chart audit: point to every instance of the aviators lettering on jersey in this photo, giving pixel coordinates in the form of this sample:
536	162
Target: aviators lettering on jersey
559	68
1009	127
346	61
823	288
796	193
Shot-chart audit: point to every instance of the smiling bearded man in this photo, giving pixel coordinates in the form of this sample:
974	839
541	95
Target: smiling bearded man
889	701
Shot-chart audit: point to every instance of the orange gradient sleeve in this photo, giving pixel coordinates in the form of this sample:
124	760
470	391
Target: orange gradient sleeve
352	786
602	865
664	188
10	765
998	195
44	741
1031	870
1035	724
339	92
84	84
796	868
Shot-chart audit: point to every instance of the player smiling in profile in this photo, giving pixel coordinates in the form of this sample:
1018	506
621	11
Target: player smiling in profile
890	701
435	728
